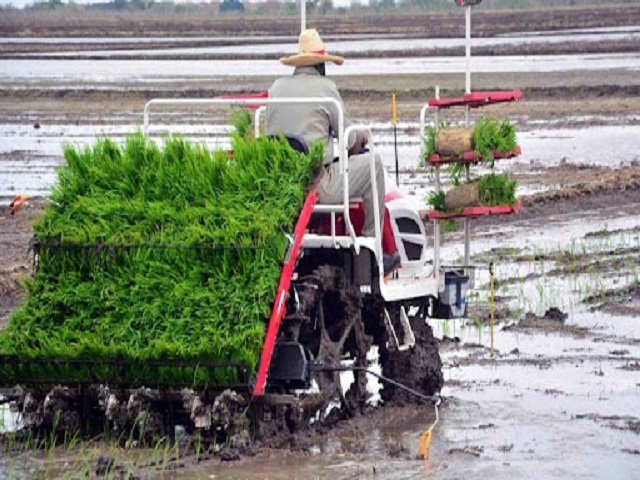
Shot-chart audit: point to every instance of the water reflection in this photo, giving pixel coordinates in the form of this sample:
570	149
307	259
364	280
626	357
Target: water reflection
124	72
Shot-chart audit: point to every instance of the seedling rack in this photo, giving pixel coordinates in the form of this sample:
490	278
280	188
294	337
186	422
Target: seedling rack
470	100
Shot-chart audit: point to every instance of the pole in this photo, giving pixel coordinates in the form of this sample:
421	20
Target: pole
467	120
468	50
492	301
394	121
303	15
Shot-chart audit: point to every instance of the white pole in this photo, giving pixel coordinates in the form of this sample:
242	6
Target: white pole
468	50
303	15
467	222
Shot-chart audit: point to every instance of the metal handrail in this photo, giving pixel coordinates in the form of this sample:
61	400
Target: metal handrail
423	124
256	121
342	147
436	223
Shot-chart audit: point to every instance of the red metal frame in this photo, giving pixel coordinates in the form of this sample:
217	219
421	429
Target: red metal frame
477	212
471	157
476	99
279	308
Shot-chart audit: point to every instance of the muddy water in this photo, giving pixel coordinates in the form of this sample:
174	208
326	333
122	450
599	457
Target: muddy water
347	44
353	46
154	71
547	404
28	156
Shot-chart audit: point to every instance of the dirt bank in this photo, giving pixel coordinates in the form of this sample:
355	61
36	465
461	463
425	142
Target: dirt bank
208	22
16	261
39	51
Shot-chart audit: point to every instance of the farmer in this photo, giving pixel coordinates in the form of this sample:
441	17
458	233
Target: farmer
314	122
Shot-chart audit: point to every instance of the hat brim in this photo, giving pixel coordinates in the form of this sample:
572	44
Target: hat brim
309	59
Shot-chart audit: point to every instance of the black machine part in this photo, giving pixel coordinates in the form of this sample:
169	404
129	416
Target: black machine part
291	366
452	302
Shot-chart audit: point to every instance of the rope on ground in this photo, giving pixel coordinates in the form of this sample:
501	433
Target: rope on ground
425	439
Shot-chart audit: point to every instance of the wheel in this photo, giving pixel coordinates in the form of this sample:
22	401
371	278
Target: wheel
333	332
419	368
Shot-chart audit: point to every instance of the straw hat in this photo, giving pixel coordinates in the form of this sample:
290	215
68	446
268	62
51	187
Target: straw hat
310	51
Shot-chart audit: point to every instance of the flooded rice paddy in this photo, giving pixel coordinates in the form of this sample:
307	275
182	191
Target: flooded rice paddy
554	401
158	71
559	397
29	157
276	46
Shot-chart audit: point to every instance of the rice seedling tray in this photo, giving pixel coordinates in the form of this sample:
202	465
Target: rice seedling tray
148	255
473	157
476	99
471	212
121	373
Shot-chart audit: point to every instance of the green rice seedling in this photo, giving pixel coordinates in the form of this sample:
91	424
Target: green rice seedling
71	439
13	469
166	455
445	328
429	143
241	121
157	449
540	289
436	200
497	189
491	135
194	442
159	253
28	441
176	447
455	170
53	434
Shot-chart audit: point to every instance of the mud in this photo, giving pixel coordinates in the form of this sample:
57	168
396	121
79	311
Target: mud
557	396
352	439
206	21
553	320
560	48
623	301
15	259
631	424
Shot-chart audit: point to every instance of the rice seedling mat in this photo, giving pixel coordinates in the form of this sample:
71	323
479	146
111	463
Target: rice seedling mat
158	264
